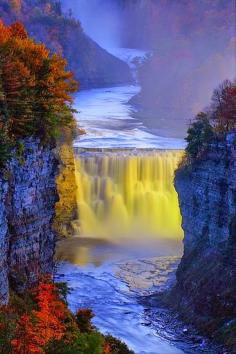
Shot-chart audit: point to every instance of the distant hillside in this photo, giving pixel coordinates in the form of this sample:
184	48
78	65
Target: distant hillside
44	20
193	44
193	47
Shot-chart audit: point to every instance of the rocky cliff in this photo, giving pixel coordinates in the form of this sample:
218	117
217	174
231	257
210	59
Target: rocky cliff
3	242
205	292
28	196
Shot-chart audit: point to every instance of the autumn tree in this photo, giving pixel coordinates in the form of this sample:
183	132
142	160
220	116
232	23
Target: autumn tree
223	107
16	5
35	87
41	323
44	324
27	340
50	313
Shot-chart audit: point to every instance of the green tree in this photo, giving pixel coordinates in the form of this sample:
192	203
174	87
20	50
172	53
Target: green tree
199	134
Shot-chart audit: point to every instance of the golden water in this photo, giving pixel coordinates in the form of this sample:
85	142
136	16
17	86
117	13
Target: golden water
128	193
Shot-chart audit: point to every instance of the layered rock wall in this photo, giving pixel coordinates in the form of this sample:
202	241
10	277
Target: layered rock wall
206	278
28	197
3	242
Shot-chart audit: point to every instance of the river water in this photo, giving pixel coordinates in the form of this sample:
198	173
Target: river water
111	277
107	118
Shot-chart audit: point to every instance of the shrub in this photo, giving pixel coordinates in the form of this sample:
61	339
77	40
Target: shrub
116	346
5	148
83	320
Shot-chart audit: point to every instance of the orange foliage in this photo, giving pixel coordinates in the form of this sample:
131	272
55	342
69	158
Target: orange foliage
224	106
107	349
35	86
18	30
50	314
45	324
27	340
16	5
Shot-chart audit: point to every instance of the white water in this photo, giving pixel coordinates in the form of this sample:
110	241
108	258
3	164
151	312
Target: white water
106	115
107	118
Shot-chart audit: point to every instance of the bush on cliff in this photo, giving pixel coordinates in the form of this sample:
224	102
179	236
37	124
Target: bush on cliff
215	124
199	133
5	148
35	89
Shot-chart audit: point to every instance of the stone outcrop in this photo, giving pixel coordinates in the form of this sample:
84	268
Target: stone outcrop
28	196
205	292
66	207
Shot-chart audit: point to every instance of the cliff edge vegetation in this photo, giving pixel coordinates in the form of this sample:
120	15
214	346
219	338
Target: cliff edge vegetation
35	90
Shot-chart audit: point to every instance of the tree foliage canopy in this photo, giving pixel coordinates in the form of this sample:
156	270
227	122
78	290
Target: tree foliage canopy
35	88
223	106
217	122
200	132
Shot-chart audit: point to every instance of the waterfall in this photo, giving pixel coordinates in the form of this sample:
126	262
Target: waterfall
127	194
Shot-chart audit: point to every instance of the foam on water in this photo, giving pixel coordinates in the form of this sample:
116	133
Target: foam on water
107	118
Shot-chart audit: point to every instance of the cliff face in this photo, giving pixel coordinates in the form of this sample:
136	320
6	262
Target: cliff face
206	278
3	243
28	196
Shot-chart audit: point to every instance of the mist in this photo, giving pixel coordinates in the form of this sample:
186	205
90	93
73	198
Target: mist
192	45
100	19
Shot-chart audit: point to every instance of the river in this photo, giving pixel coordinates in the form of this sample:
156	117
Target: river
111	277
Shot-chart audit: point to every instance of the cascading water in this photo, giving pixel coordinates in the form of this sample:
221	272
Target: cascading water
128	193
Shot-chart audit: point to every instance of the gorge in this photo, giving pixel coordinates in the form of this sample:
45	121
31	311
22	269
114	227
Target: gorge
117	234
120	165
